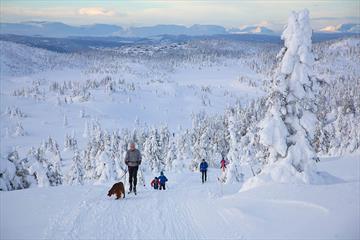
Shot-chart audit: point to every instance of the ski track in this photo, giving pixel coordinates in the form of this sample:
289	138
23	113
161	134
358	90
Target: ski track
188	209
147	215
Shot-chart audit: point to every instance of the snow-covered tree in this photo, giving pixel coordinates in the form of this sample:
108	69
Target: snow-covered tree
53	160
165	136
287	129
70	142
233	170
19	130
38	167
170	158
152	154
76	173
105	167
14	173
183	155
200	139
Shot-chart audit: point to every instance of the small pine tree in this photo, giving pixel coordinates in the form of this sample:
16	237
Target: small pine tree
19	131
170	159
152	151
38	167
76	172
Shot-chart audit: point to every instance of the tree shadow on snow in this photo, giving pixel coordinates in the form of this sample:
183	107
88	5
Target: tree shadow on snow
325	178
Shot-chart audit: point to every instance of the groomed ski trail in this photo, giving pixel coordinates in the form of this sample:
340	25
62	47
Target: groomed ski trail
150	214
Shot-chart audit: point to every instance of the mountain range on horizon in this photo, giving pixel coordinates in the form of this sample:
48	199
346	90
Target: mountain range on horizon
346	27
59	29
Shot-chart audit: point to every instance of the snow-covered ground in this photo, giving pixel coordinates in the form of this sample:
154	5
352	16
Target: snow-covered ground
144	91
140	90
189	209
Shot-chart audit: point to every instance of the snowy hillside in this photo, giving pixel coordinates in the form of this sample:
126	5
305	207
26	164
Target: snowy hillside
190	210
178	88
123	87
285	118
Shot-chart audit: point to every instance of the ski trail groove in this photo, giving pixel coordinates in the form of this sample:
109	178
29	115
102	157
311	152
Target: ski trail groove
150	214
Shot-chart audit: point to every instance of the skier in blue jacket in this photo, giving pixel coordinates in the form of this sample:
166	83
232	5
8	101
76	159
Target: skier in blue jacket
162	180
203	170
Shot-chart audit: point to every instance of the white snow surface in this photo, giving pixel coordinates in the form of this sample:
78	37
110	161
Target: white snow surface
191	210
146	97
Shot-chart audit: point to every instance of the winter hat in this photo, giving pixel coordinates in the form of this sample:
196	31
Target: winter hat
161	173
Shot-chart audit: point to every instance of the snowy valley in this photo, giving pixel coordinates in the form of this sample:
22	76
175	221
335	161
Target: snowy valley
67	119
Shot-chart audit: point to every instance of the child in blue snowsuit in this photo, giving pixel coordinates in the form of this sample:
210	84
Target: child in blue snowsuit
203	170
162	180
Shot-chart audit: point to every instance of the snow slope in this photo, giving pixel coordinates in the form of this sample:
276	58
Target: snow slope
191	210
146	91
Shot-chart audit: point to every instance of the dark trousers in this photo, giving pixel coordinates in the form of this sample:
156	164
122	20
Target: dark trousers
133	176
162	186
203	176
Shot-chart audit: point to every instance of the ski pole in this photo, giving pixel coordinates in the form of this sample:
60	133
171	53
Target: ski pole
142	177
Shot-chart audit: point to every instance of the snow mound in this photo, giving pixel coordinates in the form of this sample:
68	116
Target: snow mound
281	172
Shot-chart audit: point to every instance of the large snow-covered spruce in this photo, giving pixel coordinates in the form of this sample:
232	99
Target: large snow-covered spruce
287	129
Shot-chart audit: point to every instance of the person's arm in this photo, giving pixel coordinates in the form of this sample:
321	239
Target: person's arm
166	179
139	157
127	158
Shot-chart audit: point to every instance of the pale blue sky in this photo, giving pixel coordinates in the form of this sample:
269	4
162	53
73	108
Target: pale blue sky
228	13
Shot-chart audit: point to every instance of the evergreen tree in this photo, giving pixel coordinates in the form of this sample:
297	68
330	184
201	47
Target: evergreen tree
53	162
183	154
233	171
38	167
287	127
152	151
170	159
76	172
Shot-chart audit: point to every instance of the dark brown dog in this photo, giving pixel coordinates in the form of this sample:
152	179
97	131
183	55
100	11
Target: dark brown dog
117	189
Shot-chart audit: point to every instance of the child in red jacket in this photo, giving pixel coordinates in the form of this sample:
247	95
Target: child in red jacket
223	164
155	183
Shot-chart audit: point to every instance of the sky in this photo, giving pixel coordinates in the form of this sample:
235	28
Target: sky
227	13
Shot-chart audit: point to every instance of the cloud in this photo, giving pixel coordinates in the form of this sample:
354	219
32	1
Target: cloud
95	11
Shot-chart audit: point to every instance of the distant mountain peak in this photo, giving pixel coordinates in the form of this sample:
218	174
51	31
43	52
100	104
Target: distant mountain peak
255	29
342	28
